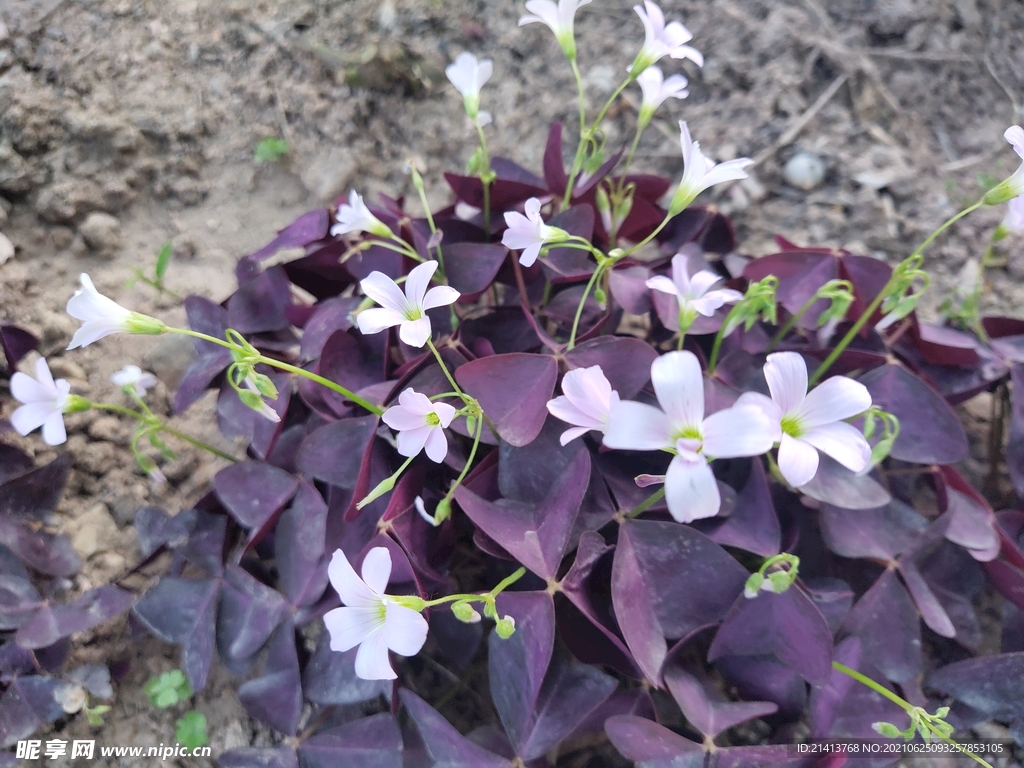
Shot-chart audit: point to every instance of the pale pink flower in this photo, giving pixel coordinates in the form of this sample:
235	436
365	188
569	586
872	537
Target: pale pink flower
134	377
408	310
420	424
558	18
529	233
587	400
807	422
693	293
657	89
102	316
356	217
45	402
680	427
374	621
1013	222
662	39
1013	186
700	173
468	76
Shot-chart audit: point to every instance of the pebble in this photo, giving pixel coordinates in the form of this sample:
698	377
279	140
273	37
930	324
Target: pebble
63	368
4	34
95	531
170	358
102	233
6	248
329	174
109	429
804	170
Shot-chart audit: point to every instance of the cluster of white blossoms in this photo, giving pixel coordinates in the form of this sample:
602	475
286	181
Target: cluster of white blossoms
801	423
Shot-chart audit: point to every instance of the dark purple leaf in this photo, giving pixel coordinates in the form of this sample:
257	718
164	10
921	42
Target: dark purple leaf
471	267
571	264
930	430
1015	444
554	166
259	305
989	684
650	744
835	484
258	757
885	621
445	745
505	192
928	604
334	453
880	533
248	613
517	666
299	544
19	600
373	742
707	712
155	528
329	315
205	546
788	626
668	581
48	553
28	703
183	611
537	535
253	491
753	524
832	596
626	361
763	678
16	343
330	678
513	390
35	494
13	462
275	698
971	524
53	622
306	229
198	377
95	678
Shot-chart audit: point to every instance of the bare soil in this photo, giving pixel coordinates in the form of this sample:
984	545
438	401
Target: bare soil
128	123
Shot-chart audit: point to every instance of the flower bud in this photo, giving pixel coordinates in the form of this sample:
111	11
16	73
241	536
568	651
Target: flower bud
465	613
385	485
887	729
505	627
753	586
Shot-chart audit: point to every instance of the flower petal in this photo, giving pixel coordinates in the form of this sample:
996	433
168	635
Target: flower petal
589	391
415	332
691	490
833	400
417	281
348	627
445	413
440	296
377	319
731	170
350	588
768	406
436	445
571	434
377	569
530	254
94	330
663	284
384	291
405	630
798	461
636	426
25	389
701	282
53	430
411	442
786	373
737	431
679	385
842	442
372	661
31	416
563	409
415	402
545	11
400	418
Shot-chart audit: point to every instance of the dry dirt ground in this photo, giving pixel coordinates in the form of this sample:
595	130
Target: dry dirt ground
128	123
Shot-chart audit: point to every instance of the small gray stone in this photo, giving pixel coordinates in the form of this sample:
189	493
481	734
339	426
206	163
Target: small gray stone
170	358
4	34
328	175
6	248
804	170
102	233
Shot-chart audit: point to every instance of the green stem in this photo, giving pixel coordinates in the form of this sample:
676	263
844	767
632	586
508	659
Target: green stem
788	326
946	225
504	584
469	460
579	309
197	443
422	192
719	337
485	180
586	134
403	248
643	506
629	158
646	240
581	93
160	426
507	582
447	373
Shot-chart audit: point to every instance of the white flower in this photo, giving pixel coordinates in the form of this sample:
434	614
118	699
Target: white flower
559	19
257	403
1013	186
468	76
694	293
45	402
356	217
1013	222
370	619
700	173
528	233
807	422
408	310
657	89
134	377
662	40
102	316
691	490
587	401
420	424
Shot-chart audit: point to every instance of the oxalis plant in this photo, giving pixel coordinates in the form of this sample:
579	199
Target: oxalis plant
680	488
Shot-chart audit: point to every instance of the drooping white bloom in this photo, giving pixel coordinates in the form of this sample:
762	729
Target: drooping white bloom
694	294
354	216
1013	186
102	316
559	19
807	422
468	76
700	173
134	377
529	233
1013	222
420	424
691	490
587	400
45	402
662	39
408	310
257	403
656	89
374	621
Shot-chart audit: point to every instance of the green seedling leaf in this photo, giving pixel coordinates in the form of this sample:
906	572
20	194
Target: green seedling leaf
190	730
270	150
167	689
163	260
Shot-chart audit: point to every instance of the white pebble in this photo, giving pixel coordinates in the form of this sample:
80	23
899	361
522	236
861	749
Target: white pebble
804	170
